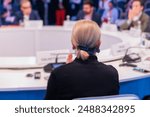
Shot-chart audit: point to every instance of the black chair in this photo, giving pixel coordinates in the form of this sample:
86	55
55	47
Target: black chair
113	97
146	97
121	5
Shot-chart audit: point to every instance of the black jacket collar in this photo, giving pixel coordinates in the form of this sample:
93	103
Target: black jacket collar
91	59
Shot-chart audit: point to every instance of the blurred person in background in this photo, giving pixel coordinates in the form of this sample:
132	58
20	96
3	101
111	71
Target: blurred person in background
110	15
51	11
89	12
84	76
8	9
137	17
128	7
46	11
96	4
103	4
74	7
26	13
121	4
40	8
61	10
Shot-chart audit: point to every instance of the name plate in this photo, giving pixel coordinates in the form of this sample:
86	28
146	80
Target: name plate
69	24
45	57
109	27
119	49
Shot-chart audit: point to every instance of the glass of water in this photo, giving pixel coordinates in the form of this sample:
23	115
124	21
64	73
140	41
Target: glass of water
145	40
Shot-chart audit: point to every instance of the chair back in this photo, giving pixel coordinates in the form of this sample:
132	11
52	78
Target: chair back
113	97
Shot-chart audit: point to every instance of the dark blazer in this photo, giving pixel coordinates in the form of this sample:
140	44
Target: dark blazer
0	22
145	23
82	79
95	17
19	16
40	8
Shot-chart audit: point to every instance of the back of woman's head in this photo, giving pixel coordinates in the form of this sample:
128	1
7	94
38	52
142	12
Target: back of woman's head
86	38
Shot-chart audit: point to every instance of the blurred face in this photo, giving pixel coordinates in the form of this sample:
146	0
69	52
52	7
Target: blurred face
137	8
26	8
87	9
110	5
8	1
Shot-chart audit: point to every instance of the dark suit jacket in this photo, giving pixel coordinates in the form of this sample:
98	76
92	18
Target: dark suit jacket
40	8
0	22
19	17
145	24
95	17
82	79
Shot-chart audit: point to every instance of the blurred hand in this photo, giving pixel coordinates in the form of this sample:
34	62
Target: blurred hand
5	15
131	14
69	58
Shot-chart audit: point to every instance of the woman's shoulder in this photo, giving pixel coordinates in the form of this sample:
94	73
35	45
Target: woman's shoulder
64	68
109	68
101	67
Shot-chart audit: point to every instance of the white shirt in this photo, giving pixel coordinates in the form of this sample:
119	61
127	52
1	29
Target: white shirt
136	18
26	18
88	17
112	15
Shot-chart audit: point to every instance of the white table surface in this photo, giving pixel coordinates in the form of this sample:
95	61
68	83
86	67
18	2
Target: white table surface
11	80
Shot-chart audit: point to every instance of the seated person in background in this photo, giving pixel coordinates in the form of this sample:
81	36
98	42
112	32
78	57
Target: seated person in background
103	5
89	13
7	12
85	76
26	13
61	10
135	16
121	4
74	7
111	15
128	7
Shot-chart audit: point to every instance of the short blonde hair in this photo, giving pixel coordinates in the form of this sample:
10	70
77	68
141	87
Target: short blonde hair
85	33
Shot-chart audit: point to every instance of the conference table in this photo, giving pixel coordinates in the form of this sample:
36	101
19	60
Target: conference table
18	61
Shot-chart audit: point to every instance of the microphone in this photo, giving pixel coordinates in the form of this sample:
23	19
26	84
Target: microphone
51	66
128	59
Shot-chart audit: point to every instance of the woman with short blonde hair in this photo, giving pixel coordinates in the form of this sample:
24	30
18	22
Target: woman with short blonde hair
85	76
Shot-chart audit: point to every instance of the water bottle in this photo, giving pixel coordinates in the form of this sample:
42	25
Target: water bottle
68	18
109	20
